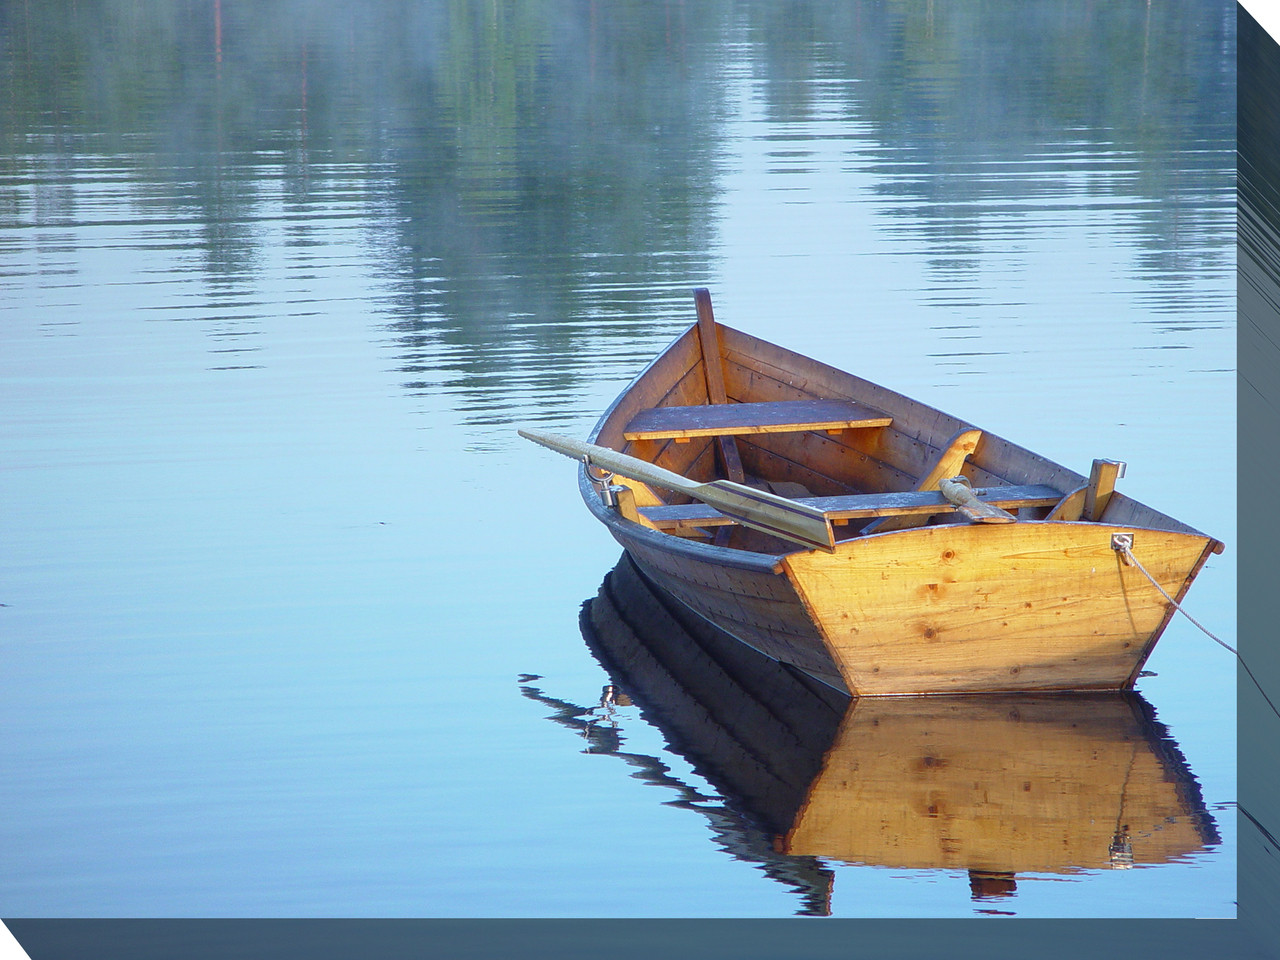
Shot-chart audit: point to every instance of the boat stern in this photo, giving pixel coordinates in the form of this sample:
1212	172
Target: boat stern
978	608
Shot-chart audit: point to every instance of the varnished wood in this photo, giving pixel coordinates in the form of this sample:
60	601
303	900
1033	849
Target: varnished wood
728	582
958	493
753	603
862	506
759	509
1070	507
947	464
889	458
1211	547
763	371
822	464
713	368
730	457
1102	483
710	341
951	459
625	498
748	418
961	608
758	370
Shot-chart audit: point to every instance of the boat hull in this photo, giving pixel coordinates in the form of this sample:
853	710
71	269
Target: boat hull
754	602
948	609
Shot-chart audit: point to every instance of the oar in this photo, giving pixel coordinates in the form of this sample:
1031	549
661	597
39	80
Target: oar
750	507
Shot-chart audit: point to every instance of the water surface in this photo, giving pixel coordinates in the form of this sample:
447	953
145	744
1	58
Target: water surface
288	606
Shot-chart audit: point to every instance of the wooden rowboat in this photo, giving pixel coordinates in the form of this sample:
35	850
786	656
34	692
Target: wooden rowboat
874	542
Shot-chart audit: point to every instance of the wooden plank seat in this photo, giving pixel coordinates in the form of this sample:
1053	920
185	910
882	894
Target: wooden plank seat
737	419
689	516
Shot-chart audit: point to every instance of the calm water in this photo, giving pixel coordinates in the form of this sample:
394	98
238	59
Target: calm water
290	619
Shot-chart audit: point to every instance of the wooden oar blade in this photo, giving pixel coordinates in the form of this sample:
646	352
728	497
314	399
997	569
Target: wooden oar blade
753	508
769	513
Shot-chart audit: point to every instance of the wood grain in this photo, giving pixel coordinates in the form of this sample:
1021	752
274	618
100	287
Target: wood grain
713	368
1102	483
788	416
1047	613
860	506
948	463
971	608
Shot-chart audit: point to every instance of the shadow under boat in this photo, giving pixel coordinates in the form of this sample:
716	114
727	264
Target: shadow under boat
995	785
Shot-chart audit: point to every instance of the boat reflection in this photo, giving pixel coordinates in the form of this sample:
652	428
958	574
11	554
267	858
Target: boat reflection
1001	786
996	786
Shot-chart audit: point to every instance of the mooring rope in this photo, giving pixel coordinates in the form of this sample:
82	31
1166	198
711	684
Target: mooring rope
1126	552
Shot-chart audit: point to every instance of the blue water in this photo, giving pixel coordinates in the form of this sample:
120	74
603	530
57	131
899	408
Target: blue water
278	284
